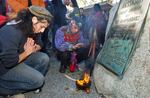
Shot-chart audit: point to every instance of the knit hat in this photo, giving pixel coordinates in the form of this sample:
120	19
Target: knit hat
78	23
40	12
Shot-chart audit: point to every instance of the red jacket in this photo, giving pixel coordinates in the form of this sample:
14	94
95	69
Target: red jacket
3	20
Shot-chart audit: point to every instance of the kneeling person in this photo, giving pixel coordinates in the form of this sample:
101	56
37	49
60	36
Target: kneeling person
22	66
70	39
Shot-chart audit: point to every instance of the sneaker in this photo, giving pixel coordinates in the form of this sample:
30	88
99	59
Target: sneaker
18	96
37	91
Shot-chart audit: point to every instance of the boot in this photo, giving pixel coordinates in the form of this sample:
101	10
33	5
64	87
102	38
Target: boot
62	69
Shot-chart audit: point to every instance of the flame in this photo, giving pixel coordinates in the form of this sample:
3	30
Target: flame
80	82
86	79
84	84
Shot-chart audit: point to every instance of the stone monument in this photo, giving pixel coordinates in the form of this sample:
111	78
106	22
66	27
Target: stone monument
135	82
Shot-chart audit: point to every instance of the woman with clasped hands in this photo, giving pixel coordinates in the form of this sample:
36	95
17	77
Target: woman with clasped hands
22	66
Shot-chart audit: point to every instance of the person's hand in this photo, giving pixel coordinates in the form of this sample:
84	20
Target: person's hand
78	45
11	15
30	46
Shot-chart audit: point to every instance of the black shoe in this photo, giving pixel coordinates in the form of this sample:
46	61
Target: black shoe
62	69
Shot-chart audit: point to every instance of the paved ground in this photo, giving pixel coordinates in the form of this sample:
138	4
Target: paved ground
58	86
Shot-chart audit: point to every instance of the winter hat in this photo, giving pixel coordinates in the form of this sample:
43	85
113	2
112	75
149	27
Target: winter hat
74	21
40	12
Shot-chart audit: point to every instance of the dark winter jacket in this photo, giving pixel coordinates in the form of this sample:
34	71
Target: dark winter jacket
12	42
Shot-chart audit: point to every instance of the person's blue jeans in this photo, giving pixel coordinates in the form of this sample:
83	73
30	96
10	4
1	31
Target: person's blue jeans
26	76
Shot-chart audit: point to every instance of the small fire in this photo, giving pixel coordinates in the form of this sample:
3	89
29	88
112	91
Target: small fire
84	84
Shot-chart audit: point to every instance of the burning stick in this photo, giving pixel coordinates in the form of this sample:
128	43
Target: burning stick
82	84
93	44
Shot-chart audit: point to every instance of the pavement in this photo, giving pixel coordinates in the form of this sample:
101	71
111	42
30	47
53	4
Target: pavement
57	85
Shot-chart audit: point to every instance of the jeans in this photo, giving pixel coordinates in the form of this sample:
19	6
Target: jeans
26	76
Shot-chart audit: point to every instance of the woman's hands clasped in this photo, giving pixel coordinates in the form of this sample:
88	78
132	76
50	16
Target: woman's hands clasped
29	46
78	45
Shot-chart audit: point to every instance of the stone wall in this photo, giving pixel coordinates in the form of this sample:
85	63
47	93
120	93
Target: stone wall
136	80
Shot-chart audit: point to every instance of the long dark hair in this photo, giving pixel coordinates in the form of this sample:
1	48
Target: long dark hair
25	24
